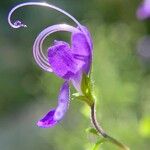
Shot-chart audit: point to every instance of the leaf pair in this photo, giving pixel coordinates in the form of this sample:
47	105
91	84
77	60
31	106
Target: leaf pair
99	141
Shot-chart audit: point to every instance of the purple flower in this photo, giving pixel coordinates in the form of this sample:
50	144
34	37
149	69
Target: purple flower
66	60
143	11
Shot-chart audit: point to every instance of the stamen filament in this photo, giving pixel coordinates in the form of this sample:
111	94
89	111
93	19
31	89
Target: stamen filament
38	54
18	24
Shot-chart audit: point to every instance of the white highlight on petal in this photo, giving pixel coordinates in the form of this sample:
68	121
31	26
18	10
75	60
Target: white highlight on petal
40	123
38	54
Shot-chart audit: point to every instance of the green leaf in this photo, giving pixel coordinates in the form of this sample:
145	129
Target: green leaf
79	97
83	98
92	130
98	143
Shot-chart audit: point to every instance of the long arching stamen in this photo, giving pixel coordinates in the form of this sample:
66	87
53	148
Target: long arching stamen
38	54
18	24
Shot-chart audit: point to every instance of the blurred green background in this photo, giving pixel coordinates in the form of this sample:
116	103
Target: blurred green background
122	78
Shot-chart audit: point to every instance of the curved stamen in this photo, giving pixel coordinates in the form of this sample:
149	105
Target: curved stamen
38	54
18	24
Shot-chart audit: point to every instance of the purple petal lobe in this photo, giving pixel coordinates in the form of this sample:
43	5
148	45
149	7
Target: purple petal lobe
55	115
88	36
82	47
63	102
62	60
81	42
47	121
76	81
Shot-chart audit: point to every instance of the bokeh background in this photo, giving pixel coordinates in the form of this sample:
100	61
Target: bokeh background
121	73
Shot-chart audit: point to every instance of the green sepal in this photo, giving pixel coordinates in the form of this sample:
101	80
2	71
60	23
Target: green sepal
87	89
92	130
86	84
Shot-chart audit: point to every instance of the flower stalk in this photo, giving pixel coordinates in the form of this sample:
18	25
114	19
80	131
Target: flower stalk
89	98
100	130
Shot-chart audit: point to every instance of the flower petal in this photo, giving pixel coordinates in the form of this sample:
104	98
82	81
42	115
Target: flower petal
63	102
87	35
62	60
48	120
55	115
76	81
82	47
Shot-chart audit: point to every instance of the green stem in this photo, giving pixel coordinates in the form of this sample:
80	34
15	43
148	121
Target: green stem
102	132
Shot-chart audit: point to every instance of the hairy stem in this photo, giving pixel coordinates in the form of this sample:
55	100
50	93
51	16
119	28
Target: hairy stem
102	132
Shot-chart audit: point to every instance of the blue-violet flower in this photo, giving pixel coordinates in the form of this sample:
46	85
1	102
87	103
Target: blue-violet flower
67	61
143	11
